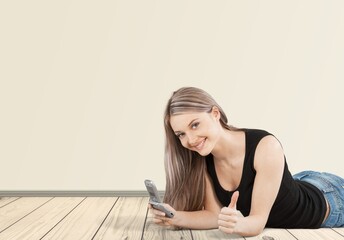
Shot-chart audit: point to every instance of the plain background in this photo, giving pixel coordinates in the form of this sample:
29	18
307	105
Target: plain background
84	83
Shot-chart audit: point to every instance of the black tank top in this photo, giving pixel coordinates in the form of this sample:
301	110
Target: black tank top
297	205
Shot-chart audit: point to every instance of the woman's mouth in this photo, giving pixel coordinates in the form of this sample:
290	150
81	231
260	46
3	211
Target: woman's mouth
199	145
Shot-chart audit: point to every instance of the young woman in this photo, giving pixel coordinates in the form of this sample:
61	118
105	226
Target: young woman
237	180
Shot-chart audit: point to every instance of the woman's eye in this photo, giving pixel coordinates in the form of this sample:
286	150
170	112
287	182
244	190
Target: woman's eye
195	125
180	135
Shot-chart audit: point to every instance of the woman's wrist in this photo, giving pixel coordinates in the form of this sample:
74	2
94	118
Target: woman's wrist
175	221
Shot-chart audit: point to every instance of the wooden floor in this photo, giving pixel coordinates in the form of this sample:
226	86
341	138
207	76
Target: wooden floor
112	218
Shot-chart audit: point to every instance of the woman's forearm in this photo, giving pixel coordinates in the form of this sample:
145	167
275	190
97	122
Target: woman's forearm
203	219
249	226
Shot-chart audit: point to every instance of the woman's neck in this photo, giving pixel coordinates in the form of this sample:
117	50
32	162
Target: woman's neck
229	147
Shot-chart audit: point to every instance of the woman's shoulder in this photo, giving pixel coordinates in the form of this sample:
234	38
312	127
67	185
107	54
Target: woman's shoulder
267	151
261	138
255	132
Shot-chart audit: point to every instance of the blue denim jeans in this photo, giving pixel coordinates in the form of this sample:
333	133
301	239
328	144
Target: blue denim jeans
332	187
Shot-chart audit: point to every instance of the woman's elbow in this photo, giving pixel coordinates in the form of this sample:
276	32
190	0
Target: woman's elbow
254	229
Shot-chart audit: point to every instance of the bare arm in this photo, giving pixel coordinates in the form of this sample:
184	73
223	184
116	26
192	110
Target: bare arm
269	165
203	219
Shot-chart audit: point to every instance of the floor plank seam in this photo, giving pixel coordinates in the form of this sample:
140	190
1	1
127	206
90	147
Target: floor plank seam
62	219
25	215
95	234
10	202
338	232
192	237
144	224
292	234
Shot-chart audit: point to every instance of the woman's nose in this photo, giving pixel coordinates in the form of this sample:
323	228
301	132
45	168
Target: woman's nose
192	139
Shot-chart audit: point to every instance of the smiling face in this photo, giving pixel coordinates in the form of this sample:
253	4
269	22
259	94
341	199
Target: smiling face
197	131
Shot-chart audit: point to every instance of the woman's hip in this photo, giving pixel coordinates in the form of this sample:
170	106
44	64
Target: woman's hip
332	186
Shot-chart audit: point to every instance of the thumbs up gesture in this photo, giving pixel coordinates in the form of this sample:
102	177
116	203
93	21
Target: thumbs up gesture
229	216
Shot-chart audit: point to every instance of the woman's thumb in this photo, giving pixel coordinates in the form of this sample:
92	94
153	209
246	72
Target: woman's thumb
234	200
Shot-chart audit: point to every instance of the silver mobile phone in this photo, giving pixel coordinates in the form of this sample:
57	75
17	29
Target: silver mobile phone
154	198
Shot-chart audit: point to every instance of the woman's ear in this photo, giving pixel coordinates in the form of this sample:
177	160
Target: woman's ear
216	112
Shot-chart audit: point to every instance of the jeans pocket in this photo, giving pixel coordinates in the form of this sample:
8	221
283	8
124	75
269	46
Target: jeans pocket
317	179
301	175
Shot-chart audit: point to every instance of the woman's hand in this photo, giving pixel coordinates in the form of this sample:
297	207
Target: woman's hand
160	217
229	216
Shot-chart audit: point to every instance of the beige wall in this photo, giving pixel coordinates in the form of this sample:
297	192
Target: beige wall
83	84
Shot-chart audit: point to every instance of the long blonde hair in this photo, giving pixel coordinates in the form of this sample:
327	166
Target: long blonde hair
185	169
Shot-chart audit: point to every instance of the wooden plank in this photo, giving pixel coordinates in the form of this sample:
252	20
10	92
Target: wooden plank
156	232
213	235
6	200
339	230
126	220
17	210
316	234
84	221
273	233
38	223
